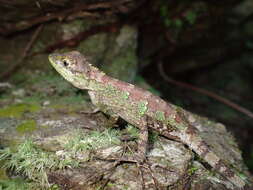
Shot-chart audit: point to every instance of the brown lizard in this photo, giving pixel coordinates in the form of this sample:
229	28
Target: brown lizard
140	108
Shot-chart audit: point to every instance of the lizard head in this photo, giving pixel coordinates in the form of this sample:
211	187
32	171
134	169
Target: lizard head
73	66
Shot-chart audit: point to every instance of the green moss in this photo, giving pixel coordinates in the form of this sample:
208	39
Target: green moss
69	103
191	17
73	99
35	98
17	110
54	187
40	87
192	170
167	18
178	23
94	140
27	126
164	13
172	123
133	131
31	161
13	184
3	175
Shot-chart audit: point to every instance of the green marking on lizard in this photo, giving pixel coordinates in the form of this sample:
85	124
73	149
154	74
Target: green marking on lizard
114	92
95	85
160	116
125	95
142	107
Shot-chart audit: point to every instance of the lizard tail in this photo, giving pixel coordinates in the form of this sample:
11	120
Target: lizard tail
197	144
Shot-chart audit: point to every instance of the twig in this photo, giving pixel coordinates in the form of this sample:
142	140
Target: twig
24	54
205	92
61	15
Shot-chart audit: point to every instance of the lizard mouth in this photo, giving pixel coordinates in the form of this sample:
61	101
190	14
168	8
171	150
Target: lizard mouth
56	61
53	58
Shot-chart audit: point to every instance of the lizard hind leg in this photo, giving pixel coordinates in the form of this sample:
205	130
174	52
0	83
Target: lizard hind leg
142	144
140	156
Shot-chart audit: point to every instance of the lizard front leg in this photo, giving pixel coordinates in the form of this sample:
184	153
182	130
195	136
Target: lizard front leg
142	141
95	99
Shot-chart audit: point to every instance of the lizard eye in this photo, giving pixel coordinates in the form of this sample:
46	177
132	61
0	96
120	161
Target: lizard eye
65	63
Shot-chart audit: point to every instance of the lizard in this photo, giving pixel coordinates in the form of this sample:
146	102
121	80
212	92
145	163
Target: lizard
140	108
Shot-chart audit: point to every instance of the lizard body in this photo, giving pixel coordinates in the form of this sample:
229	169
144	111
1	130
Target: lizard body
138	107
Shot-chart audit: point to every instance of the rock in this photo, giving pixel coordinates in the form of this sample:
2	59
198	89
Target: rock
121	59
84	139
19	92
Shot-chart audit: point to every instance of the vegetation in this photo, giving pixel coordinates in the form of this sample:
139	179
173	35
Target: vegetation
93	140
12	184
32	162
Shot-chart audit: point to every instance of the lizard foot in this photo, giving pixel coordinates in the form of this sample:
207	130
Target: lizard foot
136	159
